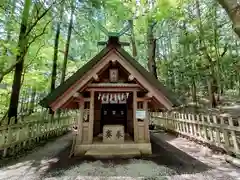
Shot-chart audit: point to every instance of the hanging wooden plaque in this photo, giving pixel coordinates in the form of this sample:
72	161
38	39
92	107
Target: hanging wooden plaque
113	75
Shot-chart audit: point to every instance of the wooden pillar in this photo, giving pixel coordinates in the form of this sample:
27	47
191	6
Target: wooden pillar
135	123
146	121
80	123
91	118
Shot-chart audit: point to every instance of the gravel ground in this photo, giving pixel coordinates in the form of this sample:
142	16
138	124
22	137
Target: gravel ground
178	159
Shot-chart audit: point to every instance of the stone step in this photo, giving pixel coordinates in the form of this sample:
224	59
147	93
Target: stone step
113	152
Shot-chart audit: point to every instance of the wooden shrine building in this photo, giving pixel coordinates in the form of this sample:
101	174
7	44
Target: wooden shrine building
113	94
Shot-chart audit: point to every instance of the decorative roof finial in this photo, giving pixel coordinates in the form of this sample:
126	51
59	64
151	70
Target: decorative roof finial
114	36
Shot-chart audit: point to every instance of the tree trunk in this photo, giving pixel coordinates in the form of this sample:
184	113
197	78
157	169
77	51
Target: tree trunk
22	46
211	82
239	84
232	7
55	55
218	57
32	101
194	90
67	44
151	51
133	40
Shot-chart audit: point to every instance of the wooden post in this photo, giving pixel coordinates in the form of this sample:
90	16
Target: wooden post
225	134
198	125
80	123
135	123
210	129
91	118
233	134
146	121
190	124
194	125
204	128
217	135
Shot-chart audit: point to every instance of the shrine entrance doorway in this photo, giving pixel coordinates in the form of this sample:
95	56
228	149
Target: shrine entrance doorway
114	114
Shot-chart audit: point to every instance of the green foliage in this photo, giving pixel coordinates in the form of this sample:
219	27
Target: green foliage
179	54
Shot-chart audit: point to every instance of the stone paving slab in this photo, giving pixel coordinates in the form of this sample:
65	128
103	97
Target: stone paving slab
220	168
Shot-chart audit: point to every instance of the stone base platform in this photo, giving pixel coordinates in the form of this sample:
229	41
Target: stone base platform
100	149
123	150
113	152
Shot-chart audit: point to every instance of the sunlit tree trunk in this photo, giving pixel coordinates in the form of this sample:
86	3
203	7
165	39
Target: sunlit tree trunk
133	40
22	48
55	55
211	81
151	50
32	101
70	27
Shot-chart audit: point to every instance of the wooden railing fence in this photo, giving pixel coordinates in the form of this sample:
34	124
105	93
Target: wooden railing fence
220	131
23	135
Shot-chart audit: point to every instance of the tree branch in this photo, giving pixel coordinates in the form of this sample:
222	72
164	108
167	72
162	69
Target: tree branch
37	36
38	19
10	68
225	50
27	66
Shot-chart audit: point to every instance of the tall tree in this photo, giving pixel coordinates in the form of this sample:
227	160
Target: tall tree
151	49
69	34
55	54
133	40
22	47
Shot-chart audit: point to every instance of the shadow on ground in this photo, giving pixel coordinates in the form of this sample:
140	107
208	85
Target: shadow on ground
164	155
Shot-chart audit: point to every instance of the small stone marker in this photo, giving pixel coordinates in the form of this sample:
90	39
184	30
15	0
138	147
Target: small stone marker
113	134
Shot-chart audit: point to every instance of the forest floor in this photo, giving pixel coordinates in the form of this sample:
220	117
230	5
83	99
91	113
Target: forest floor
226	106
173	158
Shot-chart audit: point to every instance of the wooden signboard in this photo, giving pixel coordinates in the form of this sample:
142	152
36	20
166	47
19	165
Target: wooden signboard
113	98
140	114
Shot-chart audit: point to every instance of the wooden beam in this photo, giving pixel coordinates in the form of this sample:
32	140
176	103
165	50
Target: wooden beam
91	118
67	103
80	124
113	85
103	43
135	123
146	122
144	99
113	89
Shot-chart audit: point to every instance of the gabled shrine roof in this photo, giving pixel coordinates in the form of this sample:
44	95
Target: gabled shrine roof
50	98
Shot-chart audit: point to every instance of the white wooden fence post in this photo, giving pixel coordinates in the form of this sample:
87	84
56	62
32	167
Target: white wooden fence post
233	134
217	135
225	134
186	123
198	125
194	125
190	124
204	127
210	129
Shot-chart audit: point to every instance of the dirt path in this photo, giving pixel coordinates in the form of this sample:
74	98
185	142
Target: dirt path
36	163
167	162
